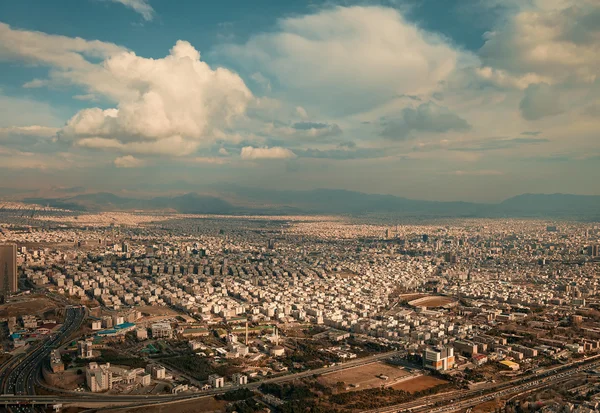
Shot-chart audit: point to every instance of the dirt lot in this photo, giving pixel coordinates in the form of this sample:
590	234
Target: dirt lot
418	383
29	305
206	405
433	301
364	376
157	311
486	407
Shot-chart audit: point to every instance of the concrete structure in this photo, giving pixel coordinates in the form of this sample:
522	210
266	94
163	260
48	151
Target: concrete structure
162	330
56	363
440	359
8	269
465	348
141	333
510	365
85	349
277	351
98	377
216	381
158	372
239	379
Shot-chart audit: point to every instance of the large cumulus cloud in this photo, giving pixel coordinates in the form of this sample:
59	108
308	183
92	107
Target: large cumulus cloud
552	42
178	99
348	58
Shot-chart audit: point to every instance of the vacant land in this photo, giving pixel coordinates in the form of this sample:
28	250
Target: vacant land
29	305
432	301
486	407
364	377
157	311
419	384
205	404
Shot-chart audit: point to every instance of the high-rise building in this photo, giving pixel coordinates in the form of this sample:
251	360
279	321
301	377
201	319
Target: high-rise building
85	349
98	377
441	359
8	269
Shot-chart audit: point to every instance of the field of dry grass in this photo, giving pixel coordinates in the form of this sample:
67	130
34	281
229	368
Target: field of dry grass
203	405
418	384
28	305
433	301
364	377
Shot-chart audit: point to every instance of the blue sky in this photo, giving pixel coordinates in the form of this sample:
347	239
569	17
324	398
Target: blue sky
447	100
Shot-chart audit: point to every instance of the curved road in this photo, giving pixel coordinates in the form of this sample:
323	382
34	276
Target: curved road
19	376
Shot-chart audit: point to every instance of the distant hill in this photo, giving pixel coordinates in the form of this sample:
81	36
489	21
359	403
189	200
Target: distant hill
552	204
237	199
104	201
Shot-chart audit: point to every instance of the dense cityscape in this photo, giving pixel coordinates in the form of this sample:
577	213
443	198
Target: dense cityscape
300	312
300	206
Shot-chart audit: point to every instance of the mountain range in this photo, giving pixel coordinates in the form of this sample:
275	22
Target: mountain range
244	200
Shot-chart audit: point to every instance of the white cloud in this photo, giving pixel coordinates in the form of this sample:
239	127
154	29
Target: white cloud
557	41
300	111
173	146
19	160
173	104
251	153
210	160
139	6
481	172
349	58
128	161
67	53
540	100
176	100
16	111
304	130
427	117
33	130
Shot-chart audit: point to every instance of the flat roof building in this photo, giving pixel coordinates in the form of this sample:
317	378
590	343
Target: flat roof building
8	269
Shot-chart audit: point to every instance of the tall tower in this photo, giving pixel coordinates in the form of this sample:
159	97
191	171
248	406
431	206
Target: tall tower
8	269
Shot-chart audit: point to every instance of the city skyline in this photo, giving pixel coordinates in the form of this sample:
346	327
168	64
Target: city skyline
475	101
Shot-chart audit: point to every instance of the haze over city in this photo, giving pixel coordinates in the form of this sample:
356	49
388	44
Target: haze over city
476	100
300	206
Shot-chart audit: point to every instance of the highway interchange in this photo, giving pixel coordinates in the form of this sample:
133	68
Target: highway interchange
457	400
19	377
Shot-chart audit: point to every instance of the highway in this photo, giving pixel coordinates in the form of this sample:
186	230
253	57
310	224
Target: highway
461	399
19	384
20	375
25	398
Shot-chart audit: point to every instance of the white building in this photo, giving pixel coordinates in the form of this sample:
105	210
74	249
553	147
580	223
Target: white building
98	377
216	381
162	330
141	333
441	359
158	372
85	349
239	379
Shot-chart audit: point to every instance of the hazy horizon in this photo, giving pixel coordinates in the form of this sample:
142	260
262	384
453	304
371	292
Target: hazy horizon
476	100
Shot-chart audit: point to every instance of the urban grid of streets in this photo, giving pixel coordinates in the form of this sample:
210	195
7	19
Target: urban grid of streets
340	274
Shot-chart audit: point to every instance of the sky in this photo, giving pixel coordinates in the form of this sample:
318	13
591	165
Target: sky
473	100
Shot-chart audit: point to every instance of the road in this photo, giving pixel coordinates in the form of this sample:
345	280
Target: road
461	399
19	376
27	372
69	397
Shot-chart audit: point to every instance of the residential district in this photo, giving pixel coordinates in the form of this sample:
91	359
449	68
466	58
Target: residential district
307	313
